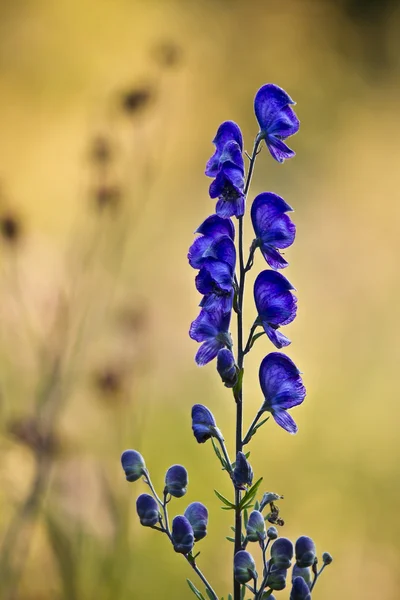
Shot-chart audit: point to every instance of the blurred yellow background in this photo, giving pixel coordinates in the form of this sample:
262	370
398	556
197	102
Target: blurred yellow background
96	294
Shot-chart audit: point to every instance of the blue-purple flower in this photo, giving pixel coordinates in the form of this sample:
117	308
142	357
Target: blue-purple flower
282	387
305	551
276	305
226	367
300	590
242	473
228	131
228	185
215	278
176	481
147	509
277	578
244	567
273	227
213	228
304	572
203	424
133	465
255	528
182	535
212	329
282	553
277	120
197	515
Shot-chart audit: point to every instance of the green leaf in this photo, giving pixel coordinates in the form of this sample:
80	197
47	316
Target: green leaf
246	506
250	494
209	594
195	591
245	517
230	597
256	505
230	539
228	507
233	529
225	500
219	455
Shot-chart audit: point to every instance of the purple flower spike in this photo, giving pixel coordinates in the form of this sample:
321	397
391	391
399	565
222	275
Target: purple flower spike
211	328
213	228
275	304
227	132
282	388
300	590
273	228
228	184
277	120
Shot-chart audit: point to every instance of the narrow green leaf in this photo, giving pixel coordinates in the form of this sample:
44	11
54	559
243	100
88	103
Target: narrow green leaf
245	517
230	597
195	591
247	506
228	507
230	539
209	594
224	500
219	455
250	494
233	529
256	505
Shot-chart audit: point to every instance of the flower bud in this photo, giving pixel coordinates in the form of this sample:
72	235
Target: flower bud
305	551
203	424
176	480
133	465
244	567
242	473
255	528
327	558
277	578
226	367
304	572
282	553
300	590
272	533
147	509
197	515
267	498
182	535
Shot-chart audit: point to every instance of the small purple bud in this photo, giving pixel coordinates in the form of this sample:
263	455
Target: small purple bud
242	473
147	509
133	465
255	528
176	480
282	553
327	558
272	533
244	567
182	535
226	367
305	551
197	515
203	424
300	590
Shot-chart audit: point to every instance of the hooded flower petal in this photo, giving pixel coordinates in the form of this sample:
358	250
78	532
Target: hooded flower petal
255	528
300	590
197	515
226	367
213	228
182	535
282	553
273	228
211	328
215	276
227	132
203	424
275	304
305	551
147	509
176	481
276	118
133	465
228	187
282	387
244	566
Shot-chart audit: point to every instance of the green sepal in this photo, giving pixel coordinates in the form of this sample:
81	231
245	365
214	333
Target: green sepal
195	591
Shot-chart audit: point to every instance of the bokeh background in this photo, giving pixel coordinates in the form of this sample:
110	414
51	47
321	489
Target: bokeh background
107	112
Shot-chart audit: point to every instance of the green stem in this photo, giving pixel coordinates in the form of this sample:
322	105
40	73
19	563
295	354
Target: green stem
203	579
254	423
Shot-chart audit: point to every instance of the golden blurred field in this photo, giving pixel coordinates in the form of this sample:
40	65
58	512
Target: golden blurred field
96	301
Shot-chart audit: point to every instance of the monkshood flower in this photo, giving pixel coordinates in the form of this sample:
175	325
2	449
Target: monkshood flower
215	278
255	528
276	305
226	367
300	590
273	228
203	424
242	473
228	185
277	120
176	480
211	328
197	515
267	498
213	228
244	567
227	132
304	572
282	553
147	509
277	578
282	387
133	465
182	535
305	551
